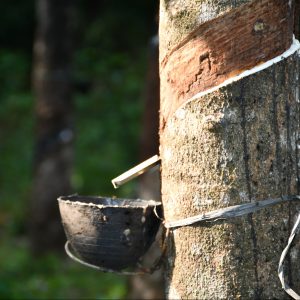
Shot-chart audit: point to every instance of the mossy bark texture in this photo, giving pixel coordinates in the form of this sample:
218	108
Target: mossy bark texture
236	144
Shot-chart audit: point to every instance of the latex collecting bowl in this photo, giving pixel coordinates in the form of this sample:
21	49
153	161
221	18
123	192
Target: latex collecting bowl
109	233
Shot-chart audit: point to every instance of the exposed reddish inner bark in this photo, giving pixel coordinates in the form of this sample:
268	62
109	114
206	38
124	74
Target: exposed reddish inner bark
222	48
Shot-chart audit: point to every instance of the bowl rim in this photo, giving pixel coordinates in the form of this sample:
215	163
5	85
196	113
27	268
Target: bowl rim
138	203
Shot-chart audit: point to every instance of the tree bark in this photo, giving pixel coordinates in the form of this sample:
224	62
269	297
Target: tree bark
226	143
54	132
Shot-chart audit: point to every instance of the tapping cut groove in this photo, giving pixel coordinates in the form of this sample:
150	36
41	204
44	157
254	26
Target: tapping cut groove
224	47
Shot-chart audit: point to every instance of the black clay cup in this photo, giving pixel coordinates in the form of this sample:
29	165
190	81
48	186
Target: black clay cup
109	233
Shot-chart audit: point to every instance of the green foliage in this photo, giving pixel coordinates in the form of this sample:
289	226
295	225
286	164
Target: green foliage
14	71
48	277
109	58
107	122
16	23
16	136
15	172
112	60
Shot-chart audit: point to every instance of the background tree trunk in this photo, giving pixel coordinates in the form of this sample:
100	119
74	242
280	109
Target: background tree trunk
297	19
228	145
149	184
150	287
54	132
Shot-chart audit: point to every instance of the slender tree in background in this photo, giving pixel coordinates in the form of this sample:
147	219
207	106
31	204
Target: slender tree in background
54	133
150	287
229	145
149	183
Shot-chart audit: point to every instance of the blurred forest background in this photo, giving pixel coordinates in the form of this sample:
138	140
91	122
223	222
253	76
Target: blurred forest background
109	61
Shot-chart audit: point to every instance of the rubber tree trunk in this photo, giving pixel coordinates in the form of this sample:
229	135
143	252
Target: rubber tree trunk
54	133
228	138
